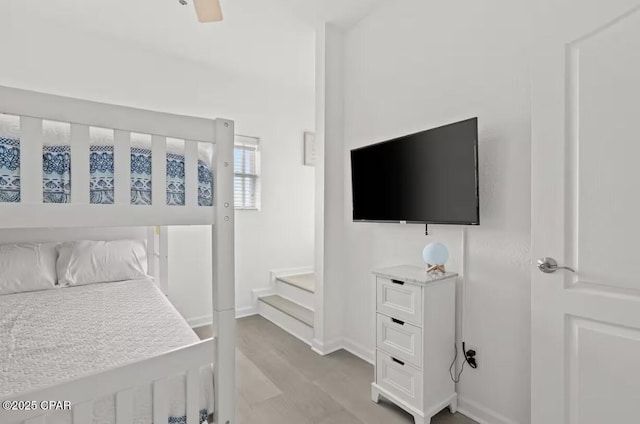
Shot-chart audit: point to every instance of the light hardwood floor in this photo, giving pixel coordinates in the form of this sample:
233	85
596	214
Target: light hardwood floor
282	381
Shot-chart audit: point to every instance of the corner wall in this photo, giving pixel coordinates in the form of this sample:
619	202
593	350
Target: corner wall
414	65
329	248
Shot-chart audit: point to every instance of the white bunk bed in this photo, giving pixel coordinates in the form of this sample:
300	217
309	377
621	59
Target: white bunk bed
32	212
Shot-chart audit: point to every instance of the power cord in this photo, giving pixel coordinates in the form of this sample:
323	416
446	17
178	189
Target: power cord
456	379
469	358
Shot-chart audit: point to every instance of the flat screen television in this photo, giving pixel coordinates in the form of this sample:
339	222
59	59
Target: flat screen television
430	177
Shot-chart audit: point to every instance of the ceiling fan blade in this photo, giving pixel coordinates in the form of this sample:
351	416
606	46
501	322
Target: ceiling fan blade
208	10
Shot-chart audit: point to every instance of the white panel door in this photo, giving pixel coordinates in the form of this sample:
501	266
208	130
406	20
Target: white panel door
585	211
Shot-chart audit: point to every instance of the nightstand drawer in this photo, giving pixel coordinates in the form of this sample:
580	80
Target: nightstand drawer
399	339
399	378
399	300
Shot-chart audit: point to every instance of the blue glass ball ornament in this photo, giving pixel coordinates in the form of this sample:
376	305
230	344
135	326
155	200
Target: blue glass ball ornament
435	254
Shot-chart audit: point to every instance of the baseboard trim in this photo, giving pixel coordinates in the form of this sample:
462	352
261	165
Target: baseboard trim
335	345
323	349
200	321
195	322
481	414
246	312
360	351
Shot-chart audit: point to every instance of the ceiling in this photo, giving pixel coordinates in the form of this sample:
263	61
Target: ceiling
344	13
270	39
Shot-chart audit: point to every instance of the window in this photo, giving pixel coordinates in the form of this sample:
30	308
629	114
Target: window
246	182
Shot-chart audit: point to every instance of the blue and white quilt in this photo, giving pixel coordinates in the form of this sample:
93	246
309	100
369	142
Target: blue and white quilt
56	168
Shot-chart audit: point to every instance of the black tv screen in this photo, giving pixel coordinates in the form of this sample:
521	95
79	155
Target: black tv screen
429	177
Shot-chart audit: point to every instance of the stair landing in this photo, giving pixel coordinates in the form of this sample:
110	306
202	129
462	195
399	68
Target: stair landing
304	282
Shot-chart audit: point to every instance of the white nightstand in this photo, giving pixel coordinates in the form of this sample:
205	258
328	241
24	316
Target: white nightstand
415	339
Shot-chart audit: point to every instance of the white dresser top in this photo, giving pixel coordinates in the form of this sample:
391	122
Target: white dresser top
412	274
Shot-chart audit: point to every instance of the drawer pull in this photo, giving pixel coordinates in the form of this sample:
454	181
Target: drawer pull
401	283
397	321
397	361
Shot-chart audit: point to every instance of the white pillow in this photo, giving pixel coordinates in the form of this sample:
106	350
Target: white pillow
27	267
89	262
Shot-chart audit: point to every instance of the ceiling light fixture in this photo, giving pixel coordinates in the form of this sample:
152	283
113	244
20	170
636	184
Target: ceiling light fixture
208	10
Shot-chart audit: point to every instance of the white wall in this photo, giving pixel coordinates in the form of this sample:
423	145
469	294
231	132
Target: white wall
49	56
329	249
413	65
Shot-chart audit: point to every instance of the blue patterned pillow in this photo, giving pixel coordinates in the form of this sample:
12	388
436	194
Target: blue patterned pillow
9	170
56	174
140	176
56	178
205	185
175	179
101	175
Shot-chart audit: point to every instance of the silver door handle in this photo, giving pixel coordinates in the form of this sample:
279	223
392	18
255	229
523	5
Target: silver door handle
550	265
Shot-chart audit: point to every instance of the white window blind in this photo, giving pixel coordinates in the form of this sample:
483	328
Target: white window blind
246	184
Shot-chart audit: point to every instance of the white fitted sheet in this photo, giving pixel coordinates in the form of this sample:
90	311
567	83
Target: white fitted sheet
52	336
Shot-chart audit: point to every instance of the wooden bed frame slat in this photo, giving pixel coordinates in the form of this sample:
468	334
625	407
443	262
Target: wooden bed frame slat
163	259
79	164
159	170
19	102
19	215
122	167
223	292
160	401
30	159
193	395
223	235
191	173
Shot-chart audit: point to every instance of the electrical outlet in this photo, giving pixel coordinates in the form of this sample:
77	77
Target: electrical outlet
471	353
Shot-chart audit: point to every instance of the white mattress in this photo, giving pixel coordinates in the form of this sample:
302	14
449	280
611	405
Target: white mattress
52	336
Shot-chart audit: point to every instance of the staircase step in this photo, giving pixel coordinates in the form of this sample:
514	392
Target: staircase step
290	308
305	282
295	294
